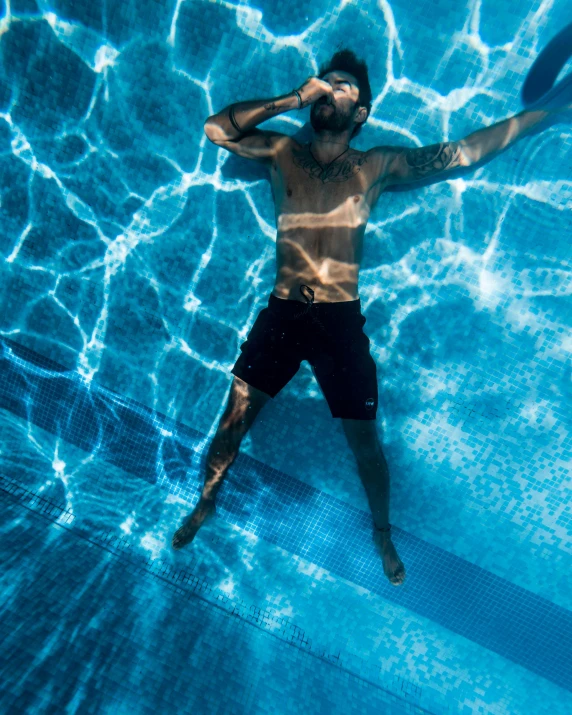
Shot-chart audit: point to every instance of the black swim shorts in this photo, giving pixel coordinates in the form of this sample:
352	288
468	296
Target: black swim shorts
329	336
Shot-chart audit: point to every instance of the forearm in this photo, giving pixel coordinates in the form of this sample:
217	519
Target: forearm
247	115
486	142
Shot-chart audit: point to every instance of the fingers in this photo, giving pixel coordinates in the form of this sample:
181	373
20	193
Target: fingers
316	88
329	92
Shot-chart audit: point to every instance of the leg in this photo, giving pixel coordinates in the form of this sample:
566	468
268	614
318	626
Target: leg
244	404
372	467
374	474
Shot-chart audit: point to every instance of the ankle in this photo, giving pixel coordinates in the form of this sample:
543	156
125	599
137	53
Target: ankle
383	534
207	500
384	529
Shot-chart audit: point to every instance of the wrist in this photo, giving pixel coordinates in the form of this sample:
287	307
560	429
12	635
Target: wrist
298	97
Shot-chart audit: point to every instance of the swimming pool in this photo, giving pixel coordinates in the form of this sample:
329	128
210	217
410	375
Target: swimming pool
136	257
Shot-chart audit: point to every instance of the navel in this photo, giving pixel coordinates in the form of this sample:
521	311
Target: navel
289	191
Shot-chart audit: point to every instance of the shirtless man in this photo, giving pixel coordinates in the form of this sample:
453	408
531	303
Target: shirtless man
324	192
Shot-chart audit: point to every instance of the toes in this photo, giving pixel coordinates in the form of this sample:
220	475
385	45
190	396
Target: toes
178	539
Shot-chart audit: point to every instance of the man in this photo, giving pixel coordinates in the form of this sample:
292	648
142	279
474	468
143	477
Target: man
324	192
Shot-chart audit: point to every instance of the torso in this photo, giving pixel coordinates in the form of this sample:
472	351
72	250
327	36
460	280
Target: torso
321	216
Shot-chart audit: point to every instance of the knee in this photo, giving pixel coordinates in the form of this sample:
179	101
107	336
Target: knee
368	455
366	449
231	425
236	420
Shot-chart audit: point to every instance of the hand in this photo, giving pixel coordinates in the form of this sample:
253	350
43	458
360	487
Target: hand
314	89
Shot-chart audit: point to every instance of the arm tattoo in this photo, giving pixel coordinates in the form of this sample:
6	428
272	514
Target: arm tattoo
432	159
270	107
336	172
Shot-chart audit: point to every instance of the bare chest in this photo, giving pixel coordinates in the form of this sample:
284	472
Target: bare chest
321	194
321	215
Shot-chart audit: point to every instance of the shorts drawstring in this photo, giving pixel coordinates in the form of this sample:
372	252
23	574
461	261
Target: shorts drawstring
307	310
309	302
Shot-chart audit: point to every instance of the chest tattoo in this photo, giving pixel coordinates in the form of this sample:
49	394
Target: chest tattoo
341	170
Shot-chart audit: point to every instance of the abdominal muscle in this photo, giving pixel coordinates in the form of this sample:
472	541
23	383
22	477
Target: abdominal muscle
320	238
326	262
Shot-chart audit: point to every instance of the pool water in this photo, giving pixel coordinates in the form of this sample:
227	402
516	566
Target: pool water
136	256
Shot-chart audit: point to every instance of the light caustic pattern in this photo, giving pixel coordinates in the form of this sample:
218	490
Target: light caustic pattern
127	240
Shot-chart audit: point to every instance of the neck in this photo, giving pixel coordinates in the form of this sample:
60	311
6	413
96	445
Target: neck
327	145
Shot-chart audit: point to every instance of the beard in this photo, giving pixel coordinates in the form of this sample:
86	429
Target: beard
331	119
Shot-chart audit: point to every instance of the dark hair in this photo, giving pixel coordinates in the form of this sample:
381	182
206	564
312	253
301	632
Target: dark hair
346	61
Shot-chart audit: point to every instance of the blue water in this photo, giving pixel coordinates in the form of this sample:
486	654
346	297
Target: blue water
136	257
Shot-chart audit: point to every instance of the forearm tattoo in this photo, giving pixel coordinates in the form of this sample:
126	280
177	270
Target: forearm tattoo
432	159
338	171
270	107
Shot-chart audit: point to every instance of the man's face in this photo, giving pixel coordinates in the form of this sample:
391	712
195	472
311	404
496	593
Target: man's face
338	116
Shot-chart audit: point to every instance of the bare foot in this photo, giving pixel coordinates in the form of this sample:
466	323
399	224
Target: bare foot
392	564
204	510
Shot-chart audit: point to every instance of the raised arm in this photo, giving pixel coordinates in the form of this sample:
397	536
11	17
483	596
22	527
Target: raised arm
401	165
234	126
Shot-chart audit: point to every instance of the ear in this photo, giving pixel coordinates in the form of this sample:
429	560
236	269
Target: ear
361	115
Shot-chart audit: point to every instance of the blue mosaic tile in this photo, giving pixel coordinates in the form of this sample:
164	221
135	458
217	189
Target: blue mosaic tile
136	255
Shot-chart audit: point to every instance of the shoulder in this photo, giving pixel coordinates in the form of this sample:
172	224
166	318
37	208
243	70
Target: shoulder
388	162
274	142
381	157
